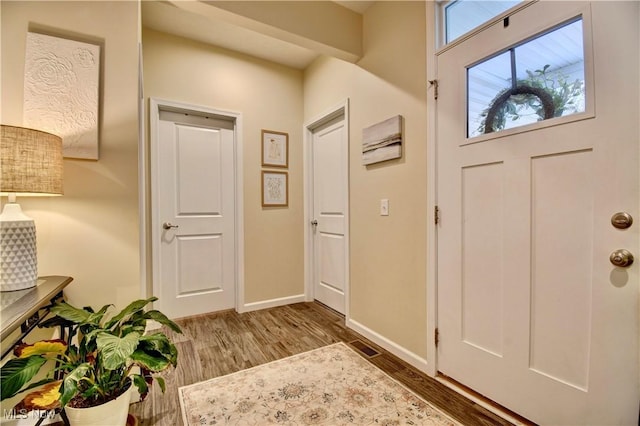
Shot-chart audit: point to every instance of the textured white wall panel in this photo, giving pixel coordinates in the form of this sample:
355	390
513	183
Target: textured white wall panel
61	92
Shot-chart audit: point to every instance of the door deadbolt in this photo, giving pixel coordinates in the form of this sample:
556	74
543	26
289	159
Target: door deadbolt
314	222
621	258
621	220
168	225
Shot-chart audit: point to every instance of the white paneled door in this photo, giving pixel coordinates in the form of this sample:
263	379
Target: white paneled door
194	220
532	312
329	222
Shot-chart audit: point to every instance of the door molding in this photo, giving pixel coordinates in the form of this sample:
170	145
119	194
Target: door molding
143	189
341	109
156	105
432	194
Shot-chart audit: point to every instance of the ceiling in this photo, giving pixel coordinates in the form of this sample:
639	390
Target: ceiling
164	16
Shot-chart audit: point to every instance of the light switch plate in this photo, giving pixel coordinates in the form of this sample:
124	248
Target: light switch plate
384	207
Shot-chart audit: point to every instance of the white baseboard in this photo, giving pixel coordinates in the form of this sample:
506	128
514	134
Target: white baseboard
399	351
255	306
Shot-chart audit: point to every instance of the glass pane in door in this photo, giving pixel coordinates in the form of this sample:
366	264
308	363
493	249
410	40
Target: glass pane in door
461	16
536	80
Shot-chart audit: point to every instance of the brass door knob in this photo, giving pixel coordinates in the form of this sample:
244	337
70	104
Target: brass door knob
621	220
621	258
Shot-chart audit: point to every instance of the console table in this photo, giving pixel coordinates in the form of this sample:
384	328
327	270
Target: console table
25	309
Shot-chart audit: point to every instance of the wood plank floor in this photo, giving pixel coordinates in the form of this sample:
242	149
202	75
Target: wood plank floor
221	343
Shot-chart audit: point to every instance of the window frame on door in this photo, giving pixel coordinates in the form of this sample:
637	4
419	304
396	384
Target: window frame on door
441	21
578	115
582	13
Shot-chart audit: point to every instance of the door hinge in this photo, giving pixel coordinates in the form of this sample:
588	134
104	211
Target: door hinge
434	83
436	215
437	337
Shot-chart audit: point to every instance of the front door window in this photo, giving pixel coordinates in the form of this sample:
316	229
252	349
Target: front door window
462	16
539	79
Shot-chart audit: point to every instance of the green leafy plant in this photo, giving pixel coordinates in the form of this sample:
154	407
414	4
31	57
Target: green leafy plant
561	95
100	366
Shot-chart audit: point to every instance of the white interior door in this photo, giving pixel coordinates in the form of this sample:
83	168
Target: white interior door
531	313
194	214
330	213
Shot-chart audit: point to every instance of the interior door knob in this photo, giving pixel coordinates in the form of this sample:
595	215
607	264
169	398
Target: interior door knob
622	220
168	225
621	258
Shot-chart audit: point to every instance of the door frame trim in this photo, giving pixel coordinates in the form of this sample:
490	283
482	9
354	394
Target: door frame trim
337	110
432	192
143	188
157	104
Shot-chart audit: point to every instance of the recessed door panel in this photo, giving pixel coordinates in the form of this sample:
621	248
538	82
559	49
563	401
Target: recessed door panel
198	164
200	260
562	263
482	269
332	261
329	185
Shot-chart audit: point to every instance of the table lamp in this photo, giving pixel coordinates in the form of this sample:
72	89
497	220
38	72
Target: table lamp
30	165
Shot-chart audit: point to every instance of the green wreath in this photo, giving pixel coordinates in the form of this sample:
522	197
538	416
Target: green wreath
498	103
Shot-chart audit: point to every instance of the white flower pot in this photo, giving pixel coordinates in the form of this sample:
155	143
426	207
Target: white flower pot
112	413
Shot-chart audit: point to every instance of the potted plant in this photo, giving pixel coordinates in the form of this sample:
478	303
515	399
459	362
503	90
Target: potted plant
99	362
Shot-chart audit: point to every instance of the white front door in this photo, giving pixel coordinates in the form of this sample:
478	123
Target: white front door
330	212
531	312
193	213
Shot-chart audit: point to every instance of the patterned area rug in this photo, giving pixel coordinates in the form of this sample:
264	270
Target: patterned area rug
332	385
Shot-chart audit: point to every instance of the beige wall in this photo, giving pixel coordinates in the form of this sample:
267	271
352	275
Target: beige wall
269	96
388	254
91	233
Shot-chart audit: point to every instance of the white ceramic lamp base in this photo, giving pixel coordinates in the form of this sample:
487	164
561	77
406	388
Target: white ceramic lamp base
18	253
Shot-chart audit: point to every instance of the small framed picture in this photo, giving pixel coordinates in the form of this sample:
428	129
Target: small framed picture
275	149
275	189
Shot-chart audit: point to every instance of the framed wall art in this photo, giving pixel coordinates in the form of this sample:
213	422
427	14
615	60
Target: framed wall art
275	149
382	141
61	92
275	189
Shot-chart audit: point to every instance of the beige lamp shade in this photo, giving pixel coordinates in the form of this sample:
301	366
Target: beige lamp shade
30	162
